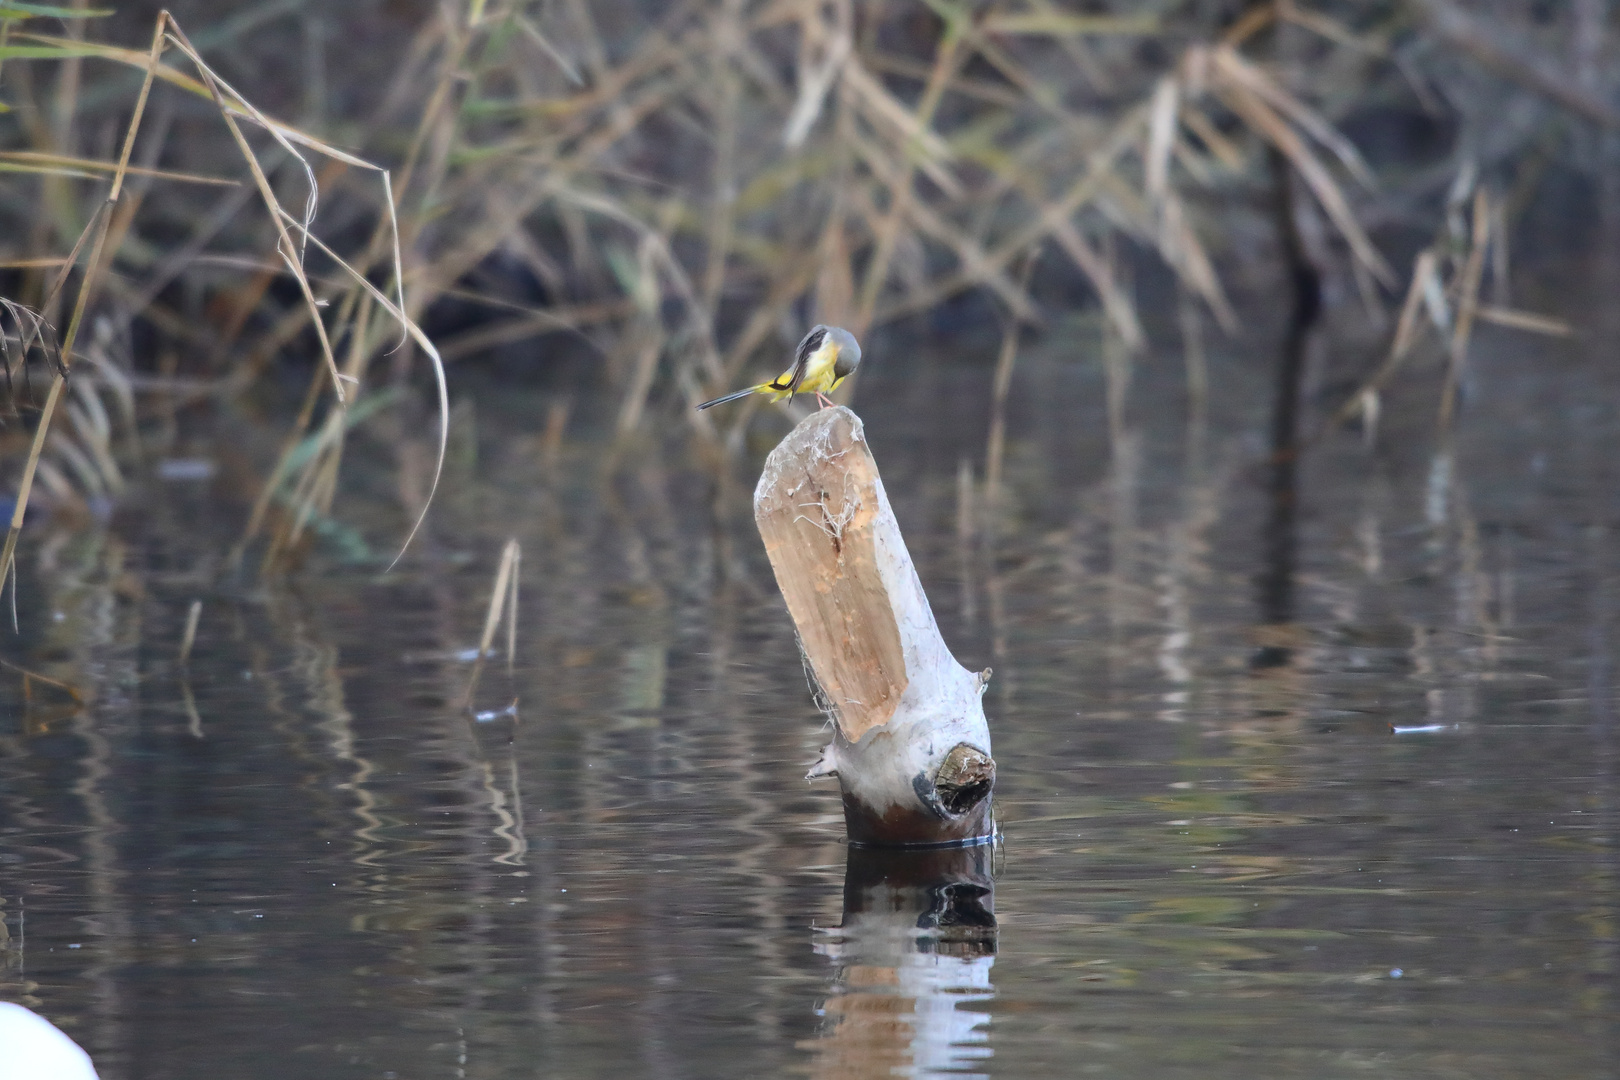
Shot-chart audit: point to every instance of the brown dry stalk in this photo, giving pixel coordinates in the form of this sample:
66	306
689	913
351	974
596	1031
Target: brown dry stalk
1256	101
996	444
427	347
1482	43
87	286
291	255
89	168
502	600
233	105
137	59
902	189
1467	304
1098	167
1406	332
756	158
1522	320
34	676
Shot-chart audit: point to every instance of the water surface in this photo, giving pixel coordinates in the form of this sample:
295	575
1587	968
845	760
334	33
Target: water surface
1362	823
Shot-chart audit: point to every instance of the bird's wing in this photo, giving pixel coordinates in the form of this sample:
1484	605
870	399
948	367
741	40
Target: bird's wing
790	380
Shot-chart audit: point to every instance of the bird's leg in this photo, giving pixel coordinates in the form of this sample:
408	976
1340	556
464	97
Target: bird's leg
826	402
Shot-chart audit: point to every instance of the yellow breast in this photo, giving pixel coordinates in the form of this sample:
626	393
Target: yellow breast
819	374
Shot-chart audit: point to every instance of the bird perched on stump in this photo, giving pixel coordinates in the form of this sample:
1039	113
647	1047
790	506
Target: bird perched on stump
826	357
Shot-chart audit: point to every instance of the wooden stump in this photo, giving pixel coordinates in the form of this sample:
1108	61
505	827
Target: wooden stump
911	747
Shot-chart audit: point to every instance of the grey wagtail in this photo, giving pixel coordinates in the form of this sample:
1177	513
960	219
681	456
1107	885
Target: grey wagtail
825	358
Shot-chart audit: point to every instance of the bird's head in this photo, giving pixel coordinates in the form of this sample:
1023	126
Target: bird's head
845	350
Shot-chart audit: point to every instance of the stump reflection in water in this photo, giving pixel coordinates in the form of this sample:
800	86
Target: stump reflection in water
913	958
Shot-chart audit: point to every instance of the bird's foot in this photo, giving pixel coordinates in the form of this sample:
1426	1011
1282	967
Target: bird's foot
826	402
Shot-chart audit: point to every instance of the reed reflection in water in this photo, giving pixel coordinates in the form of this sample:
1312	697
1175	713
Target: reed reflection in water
295	854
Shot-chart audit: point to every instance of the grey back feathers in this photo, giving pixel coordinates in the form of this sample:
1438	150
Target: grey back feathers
812	341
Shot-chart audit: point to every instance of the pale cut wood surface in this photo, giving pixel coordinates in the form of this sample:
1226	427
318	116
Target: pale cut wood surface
821	511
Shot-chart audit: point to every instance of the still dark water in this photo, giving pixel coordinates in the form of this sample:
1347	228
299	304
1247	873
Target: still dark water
1326	794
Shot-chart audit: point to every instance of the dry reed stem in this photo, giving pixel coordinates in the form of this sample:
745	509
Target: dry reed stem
502	600
284	464
1254	98
1334	31
1424	269
292	256
912	192
231	105
1051	23
427	347
647	343
1466	33
727	35
902	189
194	726
877	107
37	161
1522	320
34	676
1467	305
536	321
87	284
512	609
189	636
32	332
67	81
903	217
1192	351
52	48
1240	72
996	443
1052	213
315	489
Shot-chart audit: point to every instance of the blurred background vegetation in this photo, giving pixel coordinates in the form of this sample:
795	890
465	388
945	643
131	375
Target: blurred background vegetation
1171	309
632	206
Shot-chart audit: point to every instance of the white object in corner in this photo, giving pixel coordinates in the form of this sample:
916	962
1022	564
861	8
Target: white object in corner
32	1048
